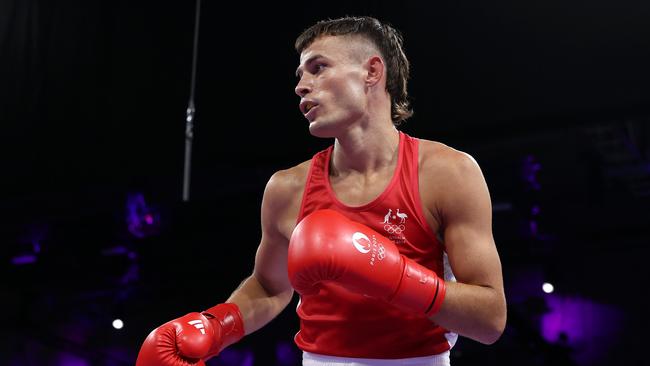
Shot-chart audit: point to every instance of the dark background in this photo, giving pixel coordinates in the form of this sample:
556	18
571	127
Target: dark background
550	97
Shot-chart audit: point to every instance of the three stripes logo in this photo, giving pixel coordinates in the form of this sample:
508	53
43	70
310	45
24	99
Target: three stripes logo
198	324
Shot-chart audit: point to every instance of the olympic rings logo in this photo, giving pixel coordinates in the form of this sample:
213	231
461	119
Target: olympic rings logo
394	229
381	252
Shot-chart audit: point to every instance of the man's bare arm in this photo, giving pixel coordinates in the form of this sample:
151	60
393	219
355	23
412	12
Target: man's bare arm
475	306
263	295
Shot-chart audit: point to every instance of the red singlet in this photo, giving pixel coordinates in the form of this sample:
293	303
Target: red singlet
341	323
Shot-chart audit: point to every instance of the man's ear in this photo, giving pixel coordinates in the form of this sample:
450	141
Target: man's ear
376	69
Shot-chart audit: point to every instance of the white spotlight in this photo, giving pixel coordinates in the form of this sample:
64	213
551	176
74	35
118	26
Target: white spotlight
118	324
547	287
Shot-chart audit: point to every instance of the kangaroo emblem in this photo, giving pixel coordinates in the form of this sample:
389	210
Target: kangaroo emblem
387	217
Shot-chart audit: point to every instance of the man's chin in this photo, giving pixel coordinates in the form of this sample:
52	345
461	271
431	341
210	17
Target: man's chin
318	130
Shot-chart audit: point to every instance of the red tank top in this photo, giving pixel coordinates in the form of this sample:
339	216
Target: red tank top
341	323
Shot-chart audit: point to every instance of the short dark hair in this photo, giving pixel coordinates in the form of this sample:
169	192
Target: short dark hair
388	41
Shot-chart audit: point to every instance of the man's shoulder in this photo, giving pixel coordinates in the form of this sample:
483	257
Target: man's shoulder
290	178
449	173
435	154
284	189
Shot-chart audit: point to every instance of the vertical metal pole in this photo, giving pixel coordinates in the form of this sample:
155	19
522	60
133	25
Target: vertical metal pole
189	113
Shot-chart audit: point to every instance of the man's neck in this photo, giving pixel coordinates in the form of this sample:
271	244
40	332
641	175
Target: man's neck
365	150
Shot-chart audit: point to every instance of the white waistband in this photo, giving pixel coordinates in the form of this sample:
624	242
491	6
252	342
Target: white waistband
313	359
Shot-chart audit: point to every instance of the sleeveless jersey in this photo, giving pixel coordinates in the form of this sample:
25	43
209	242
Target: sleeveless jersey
338	322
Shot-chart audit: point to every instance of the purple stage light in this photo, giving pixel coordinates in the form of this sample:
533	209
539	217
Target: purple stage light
535	210
116	250
132	274
141	220
233	357
286	354
32	239
248	359
67	359
584	325
532	227
529	172
23	259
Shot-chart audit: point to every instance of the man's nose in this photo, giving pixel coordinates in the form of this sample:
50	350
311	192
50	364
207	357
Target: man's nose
302	88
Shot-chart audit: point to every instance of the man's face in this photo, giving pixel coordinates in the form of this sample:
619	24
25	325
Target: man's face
332	85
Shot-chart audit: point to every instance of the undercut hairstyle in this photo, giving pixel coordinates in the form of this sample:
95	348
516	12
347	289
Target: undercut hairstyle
386	39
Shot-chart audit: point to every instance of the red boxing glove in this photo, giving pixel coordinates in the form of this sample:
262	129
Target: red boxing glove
327	246
192	338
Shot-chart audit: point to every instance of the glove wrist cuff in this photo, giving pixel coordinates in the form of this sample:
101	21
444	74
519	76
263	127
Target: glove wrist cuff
228	320
420	289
